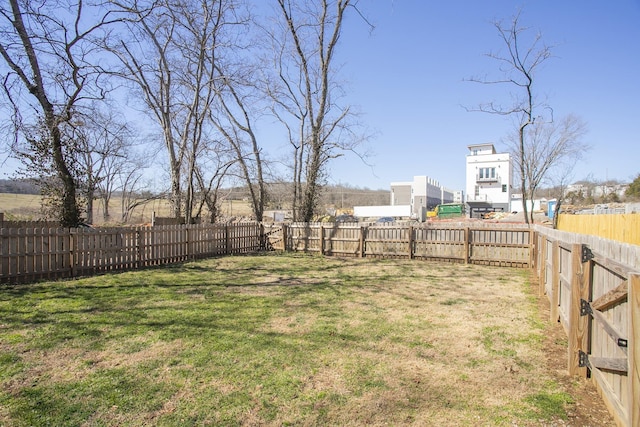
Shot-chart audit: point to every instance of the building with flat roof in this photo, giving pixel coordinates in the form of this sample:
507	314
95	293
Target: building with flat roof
422	194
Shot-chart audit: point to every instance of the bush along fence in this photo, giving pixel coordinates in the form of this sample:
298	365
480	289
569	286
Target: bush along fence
29	254
593	287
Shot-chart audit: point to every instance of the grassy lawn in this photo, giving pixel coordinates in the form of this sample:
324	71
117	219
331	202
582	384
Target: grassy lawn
278	340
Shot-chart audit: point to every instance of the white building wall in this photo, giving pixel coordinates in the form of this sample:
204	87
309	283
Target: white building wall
401	193
494	189
397	211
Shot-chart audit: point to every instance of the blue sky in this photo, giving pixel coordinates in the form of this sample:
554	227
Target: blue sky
407	80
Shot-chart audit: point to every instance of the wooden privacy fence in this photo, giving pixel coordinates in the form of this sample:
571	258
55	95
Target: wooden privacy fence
623	228
29	254
497	244
593	286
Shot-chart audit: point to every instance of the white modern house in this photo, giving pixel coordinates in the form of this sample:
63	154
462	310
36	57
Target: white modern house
489	179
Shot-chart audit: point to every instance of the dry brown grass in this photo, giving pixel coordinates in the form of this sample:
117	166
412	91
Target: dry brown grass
27	207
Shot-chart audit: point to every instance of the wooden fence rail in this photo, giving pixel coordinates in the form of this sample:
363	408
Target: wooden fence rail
29	254
593	287
498	245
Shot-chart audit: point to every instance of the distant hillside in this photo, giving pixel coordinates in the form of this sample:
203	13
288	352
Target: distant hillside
18	186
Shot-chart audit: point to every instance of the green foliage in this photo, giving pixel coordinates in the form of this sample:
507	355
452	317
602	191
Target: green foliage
633	191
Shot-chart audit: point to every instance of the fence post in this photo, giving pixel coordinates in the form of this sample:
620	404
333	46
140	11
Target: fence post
227	240
532	248
410	242
554	299
542	264
467	237
284	237
321	239
362	240
578	324
634	348
188	243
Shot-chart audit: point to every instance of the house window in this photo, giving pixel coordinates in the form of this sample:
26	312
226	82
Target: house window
477	191
504	188
487	173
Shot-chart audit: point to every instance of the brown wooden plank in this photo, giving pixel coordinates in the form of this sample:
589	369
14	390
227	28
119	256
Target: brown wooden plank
634	349
617	364
609	329
578	325
555	282
611	298
613	266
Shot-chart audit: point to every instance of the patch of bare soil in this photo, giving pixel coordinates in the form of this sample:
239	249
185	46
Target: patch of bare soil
588	408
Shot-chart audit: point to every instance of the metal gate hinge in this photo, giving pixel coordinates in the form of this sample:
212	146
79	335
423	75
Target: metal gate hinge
585	308
583	360
586	254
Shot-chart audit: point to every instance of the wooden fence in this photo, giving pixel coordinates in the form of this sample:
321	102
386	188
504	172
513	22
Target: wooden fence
496	244
29	254
593	286
623	228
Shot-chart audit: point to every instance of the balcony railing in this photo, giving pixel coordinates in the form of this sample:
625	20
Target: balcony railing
495	178
478	198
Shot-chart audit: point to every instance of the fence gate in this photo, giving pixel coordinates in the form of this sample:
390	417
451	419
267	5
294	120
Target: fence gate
600	328
274	237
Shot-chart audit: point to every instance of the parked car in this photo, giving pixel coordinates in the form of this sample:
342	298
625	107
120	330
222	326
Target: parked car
385	219
346	218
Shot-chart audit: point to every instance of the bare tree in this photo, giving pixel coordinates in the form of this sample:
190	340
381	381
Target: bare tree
305	93
172	57
147	56
518	65
234	121
51	68
129	181
104	142
546	150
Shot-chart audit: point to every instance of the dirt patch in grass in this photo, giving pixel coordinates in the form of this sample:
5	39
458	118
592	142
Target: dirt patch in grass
288	340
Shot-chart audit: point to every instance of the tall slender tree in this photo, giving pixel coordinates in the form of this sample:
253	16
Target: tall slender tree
50	69
305	93
172	55
518	63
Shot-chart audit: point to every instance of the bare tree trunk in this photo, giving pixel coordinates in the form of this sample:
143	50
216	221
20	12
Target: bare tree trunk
307	92
34	82
523	175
